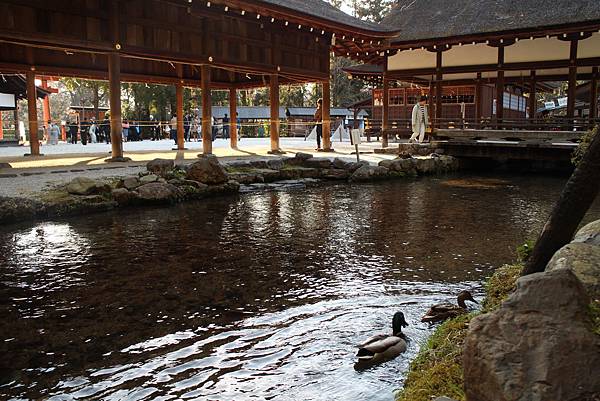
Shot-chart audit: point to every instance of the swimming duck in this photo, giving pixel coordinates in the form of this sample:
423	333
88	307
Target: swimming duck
382	347
446	310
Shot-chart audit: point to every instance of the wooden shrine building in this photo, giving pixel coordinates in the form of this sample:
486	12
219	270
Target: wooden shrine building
487	57
214	44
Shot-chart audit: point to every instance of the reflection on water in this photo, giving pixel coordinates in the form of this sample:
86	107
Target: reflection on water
261	296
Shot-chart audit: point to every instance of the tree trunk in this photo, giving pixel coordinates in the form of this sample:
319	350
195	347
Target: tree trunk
576	198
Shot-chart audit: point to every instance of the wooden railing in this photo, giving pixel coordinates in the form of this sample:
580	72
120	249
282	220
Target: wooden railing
506	128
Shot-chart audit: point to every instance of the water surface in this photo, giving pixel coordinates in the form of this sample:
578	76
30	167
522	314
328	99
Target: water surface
252	297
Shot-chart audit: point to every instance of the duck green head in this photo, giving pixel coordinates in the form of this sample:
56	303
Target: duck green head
398	322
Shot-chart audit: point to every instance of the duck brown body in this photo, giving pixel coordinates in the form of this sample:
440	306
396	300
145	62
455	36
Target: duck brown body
446	310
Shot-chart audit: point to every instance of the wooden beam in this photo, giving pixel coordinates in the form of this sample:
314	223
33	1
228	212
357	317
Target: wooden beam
274	103
500	87
438	87
385	115
206	110
572	79
594	94
233	118
326	111
114	88
34	142
532	96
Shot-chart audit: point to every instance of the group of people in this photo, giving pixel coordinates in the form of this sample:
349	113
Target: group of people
88	131
192	126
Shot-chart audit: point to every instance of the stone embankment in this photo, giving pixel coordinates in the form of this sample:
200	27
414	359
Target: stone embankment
164	183
542	343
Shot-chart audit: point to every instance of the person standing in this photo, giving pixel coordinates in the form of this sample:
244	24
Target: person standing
73	129
83	131
93	132
106	129
174	128
420	120
226	126
125	128
54	133
319	122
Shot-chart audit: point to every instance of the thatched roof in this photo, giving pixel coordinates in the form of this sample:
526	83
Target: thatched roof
323	10
433	19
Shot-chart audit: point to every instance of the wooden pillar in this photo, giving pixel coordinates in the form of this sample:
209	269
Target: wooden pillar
478	101
572	81
326	111
532	103
500	88
594	95
34	143
206	110
274	102
180	127
114	87
438	89
45	103
233	118
385	115
1	127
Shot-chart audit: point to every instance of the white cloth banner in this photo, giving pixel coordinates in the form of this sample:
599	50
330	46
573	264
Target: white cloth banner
313	135
341	134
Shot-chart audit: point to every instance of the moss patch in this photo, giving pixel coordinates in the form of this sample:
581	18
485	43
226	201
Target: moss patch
437	369
595	315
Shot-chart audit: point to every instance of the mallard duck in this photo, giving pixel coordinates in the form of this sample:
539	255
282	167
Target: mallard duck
446	310
382	347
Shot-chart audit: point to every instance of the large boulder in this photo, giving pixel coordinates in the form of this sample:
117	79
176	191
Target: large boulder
589	234
148	178
86	186
537	346
317	163
207	170
369	173
160	167
584	260
158	192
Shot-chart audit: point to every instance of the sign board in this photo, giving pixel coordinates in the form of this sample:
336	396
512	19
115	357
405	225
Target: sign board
549	105
563	101
356	136
7	101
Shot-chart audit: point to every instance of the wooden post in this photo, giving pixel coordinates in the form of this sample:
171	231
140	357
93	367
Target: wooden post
438	89
34	143
233	118
532	98
385	115
1	127
206	110
594	95
478	101
572	82
274	102
116	125
500	88
326	111
45	103
180	127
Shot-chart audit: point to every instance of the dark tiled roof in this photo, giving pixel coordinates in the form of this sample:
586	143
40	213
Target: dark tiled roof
17	85
432	19
324	10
